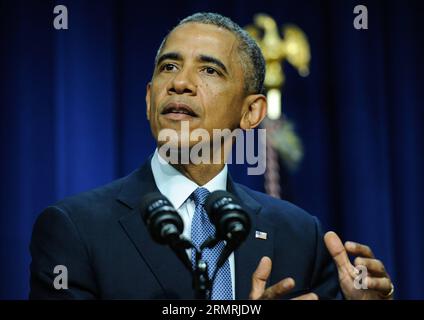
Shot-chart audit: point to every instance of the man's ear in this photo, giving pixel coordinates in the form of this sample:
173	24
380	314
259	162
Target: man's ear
253	111
148	100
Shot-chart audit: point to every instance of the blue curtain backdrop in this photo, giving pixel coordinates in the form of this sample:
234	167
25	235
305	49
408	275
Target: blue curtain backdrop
73	116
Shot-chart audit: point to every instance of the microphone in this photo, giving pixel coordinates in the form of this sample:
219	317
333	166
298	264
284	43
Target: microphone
165	224
162	220
231	221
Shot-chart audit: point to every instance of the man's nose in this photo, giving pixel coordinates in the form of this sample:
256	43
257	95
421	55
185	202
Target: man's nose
183	83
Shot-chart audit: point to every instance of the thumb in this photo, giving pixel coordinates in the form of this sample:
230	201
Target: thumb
260	277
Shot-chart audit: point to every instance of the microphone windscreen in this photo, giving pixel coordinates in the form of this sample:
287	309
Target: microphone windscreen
157	212
151	202
219	198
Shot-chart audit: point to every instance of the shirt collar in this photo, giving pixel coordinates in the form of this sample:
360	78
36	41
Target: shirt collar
177	187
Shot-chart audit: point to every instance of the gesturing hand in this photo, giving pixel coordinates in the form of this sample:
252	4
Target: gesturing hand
378	283
259	278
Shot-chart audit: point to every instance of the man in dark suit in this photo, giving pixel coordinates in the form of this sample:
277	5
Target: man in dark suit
208	73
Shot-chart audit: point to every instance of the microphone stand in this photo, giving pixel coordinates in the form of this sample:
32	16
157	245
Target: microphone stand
179	245
201	281
202	285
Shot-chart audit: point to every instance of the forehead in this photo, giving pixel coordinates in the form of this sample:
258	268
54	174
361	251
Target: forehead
196	38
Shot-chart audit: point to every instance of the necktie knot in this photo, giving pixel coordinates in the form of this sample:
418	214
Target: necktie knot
200	195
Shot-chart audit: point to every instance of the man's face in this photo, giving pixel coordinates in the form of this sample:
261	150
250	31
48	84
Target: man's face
199	79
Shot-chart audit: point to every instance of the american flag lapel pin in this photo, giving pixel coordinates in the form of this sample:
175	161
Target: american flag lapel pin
261	235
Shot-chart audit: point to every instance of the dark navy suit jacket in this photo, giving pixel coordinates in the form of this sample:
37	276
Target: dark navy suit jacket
100	237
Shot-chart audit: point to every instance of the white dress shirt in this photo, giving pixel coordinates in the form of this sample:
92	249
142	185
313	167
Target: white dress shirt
178	188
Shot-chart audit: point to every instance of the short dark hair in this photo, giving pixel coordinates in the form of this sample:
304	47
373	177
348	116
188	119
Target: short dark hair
253	62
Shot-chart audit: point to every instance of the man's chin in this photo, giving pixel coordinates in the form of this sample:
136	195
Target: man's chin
185	152
182	145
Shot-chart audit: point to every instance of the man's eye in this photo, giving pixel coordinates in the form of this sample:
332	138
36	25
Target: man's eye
168	67
210	70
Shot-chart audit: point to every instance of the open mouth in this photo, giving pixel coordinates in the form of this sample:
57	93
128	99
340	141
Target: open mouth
178	109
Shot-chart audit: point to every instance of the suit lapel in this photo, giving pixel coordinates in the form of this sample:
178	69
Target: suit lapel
170	273
248	255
